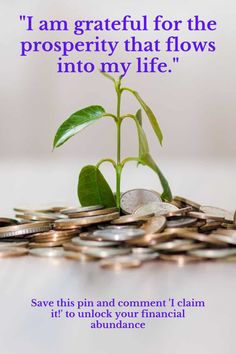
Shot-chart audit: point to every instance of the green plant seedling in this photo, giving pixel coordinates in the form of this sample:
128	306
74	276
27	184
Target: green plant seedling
92	186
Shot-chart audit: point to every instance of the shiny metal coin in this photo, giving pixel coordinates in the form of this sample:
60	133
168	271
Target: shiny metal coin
86	221
83	243
150	239
225	232
78	256
171	245
14	244
231	240
129	219
55	235
47	244
40	216
47	252
7	222
13	252
204	216
101	212
81	209
24	229
146	257
43	209
218	212
105	252
118	235
181	211
210	226
180	222
119	263
228	226
213	253
187	202
134	198
142	250
154	224
196	236
116	227
157	208
181	259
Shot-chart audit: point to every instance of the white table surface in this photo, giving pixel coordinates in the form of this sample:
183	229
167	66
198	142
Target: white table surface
27	330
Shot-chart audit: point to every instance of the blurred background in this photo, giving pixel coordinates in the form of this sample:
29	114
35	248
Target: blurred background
195	105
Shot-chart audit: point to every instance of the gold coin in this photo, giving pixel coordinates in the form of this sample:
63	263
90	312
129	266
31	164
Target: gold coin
14	244
73	223
13	252
69	246
7	222
181	259
201	238
225	232
93	213
181	211
186	201
79	256
129	219
154	224
203	216
46	244
119	263
150	239
210	226
224	214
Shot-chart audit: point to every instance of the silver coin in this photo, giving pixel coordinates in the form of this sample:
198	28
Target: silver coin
105	252
24	229
89	243
47	252
154	224
213	253
41	216
118	235
228	215
142	250
171	245
81	209
158	208
181	222
146	257
231	240
134	198
116	227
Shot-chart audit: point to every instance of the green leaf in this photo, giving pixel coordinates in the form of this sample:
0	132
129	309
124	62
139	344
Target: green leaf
93	189
143	143
76	122
138	115
150	115
146	159
108	76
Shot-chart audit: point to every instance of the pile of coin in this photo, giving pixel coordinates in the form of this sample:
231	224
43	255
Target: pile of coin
146	230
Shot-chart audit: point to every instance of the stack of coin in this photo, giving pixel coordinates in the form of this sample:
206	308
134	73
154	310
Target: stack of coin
51	238
181	231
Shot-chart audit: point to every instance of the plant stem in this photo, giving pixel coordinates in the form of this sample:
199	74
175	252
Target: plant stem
118	164
128	159
106	160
